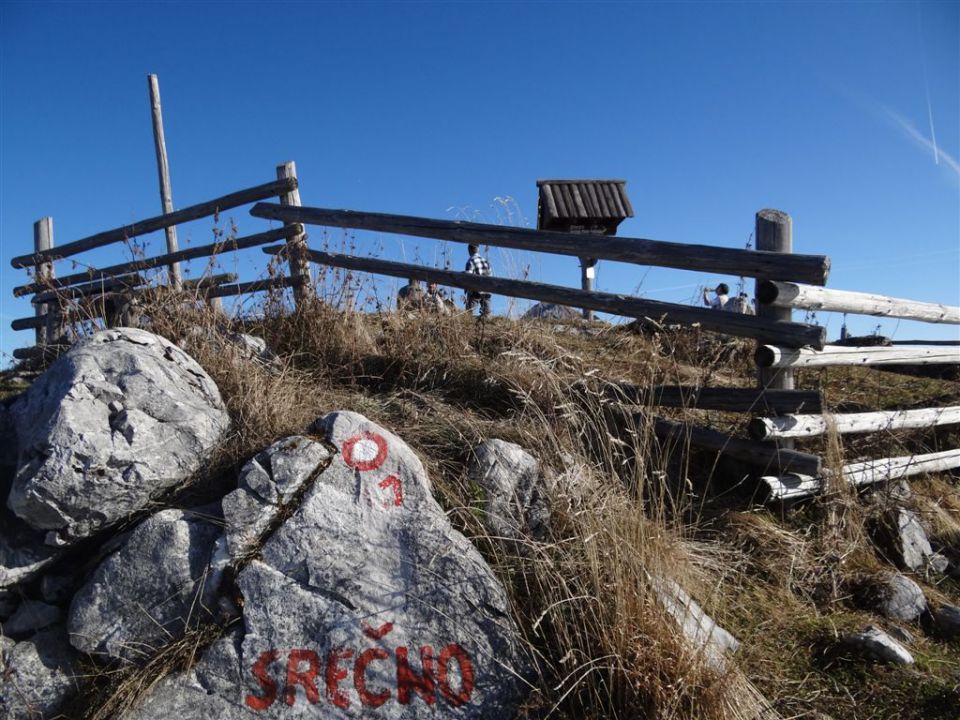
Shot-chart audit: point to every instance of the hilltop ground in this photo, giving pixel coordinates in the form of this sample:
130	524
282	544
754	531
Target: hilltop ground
787	582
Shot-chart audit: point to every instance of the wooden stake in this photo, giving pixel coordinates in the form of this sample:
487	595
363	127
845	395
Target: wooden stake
163	169
48	329
297	244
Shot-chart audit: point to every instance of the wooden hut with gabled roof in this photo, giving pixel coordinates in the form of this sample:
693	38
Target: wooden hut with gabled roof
591	207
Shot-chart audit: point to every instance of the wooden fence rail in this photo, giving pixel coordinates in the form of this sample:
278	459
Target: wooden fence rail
193	212
806	268
770	356
748	400
790	334
794	295
796	426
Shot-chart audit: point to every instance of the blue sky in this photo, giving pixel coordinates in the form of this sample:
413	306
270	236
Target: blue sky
845	115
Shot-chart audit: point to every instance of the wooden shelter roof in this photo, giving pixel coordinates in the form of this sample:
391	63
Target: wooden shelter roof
584	200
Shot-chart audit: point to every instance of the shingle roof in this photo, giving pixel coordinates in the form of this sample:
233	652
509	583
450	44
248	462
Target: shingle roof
584	199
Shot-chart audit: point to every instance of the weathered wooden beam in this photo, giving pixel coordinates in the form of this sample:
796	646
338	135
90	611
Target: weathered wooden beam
48	329
752	400
296	244
163	170
210	281
98	287
771	356
254	286
213	249
626	306
777	294
804	268
797	486
794	426
193	212
748	451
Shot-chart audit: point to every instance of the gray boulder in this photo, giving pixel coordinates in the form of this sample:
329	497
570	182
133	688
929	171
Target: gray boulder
32	615
147	592
551	311
515	499
900	598
875	644
36	676
946	619
112	424
907	541
365	601
699	629
23	556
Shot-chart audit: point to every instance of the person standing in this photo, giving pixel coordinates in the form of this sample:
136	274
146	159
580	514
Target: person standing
410	296
720	299
478	265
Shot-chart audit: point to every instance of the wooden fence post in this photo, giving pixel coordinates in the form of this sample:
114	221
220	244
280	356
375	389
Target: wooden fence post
296	244
50	329
774	233
166	196
588	270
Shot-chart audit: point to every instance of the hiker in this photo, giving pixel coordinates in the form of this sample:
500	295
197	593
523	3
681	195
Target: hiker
721	297
436	301
410	296
478	265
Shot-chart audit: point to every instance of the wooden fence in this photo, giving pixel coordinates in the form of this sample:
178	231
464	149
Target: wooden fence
779	414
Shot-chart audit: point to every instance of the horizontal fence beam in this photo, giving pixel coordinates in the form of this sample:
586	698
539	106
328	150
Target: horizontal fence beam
194	212
200	251
748	451
623	305
753	400
254	287
798	426
771	356
807	297
705	258
99	287
799	486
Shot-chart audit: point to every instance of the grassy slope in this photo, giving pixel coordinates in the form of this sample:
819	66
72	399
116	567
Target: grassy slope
624	508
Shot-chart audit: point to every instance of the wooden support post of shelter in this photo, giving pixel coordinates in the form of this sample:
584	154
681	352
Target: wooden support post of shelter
297	258
590	207
49	327
163	170
774	233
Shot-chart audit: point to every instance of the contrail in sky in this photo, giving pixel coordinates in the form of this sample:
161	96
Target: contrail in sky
919	138
926	87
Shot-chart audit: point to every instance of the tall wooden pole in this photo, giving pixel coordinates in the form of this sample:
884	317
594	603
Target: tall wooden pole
297	257
49	329
588	270
774	233
166	196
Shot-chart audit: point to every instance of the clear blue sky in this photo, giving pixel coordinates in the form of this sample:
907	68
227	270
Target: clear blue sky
845	115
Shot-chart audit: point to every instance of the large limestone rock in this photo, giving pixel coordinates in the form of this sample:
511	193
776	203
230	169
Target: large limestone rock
364	602
510	478
36	676
113	423
147	592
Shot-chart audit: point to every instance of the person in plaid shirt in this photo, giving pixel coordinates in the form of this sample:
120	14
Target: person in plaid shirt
478	265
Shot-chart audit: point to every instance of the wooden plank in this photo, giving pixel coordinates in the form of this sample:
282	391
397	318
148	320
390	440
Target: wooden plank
194	212
211	281
794	426
200	251
771	293
255	286
749	451
624	305
98	287
546	197
578	202
770	356
751	400
796	486
808	268
163	170
561	204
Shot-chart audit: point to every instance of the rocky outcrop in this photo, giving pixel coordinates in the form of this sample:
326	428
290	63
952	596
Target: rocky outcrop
36	676
515	499
363	599
148	592
113	423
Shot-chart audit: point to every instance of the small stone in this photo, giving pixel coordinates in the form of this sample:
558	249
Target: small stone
906	540
32	615
900	634
700	630
875	644
900	598
946	619
510	478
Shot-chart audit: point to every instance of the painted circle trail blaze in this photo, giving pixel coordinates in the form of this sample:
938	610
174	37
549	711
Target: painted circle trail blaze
330	675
